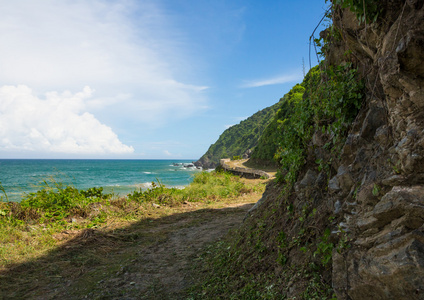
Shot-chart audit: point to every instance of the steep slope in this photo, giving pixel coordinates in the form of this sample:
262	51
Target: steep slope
380	181
284	247
271	138
238	139
346	217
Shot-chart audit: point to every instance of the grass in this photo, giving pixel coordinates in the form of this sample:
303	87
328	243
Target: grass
43	236
282	251
205	187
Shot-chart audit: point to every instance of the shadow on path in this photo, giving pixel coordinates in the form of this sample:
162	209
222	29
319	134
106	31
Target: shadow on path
150	259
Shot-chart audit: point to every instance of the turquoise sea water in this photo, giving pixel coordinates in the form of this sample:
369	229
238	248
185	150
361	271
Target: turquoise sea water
19	176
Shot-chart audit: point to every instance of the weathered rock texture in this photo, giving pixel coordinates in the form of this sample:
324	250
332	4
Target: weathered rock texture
378	192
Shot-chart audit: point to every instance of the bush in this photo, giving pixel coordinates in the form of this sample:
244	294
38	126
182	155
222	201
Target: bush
205	186
331	101
54	202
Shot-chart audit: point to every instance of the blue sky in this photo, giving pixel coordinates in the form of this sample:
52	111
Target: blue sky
143	79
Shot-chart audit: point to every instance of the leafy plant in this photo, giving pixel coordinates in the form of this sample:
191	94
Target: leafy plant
54	202
94	192
325	248
365	10
375	190
331	100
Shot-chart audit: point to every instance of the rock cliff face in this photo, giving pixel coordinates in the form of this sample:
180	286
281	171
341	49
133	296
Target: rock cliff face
378	192
353	223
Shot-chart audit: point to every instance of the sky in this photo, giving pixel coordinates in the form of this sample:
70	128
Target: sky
143	79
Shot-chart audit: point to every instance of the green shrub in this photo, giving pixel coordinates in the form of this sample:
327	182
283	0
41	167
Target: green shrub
54	202
206	186
365	10
331	100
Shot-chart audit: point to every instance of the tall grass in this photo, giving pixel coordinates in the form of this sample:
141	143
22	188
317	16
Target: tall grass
57	203
206	186
28	228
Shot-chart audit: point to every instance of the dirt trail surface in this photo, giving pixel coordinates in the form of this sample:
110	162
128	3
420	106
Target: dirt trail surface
168	264
246	167
162	271
150	259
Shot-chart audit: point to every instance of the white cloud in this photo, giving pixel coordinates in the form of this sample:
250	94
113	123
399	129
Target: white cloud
57	123
271	81
127	50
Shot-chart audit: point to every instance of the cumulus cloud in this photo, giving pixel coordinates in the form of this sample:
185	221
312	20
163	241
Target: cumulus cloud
56	123
126	50
274	80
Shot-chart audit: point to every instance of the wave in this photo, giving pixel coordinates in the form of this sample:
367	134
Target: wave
129	186
180	187
144	185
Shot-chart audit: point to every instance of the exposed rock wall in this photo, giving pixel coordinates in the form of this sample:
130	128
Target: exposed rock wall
378	192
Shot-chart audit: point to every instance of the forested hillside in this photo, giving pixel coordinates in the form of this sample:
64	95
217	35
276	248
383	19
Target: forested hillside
271	137
238	139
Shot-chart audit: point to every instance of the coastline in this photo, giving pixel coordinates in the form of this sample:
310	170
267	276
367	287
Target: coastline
124	229
121	177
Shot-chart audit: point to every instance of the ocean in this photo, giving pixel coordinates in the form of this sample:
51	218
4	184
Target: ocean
20	176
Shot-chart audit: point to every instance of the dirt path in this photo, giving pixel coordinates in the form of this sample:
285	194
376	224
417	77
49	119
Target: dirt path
246	167
167	265
156	264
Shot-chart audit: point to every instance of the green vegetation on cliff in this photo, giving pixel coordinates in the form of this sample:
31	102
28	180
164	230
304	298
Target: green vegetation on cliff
288	240
326	101
271	137
284	250
332	98
237	139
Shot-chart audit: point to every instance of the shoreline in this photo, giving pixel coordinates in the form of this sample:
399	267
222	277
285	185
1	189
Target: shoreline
116	235
20	177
